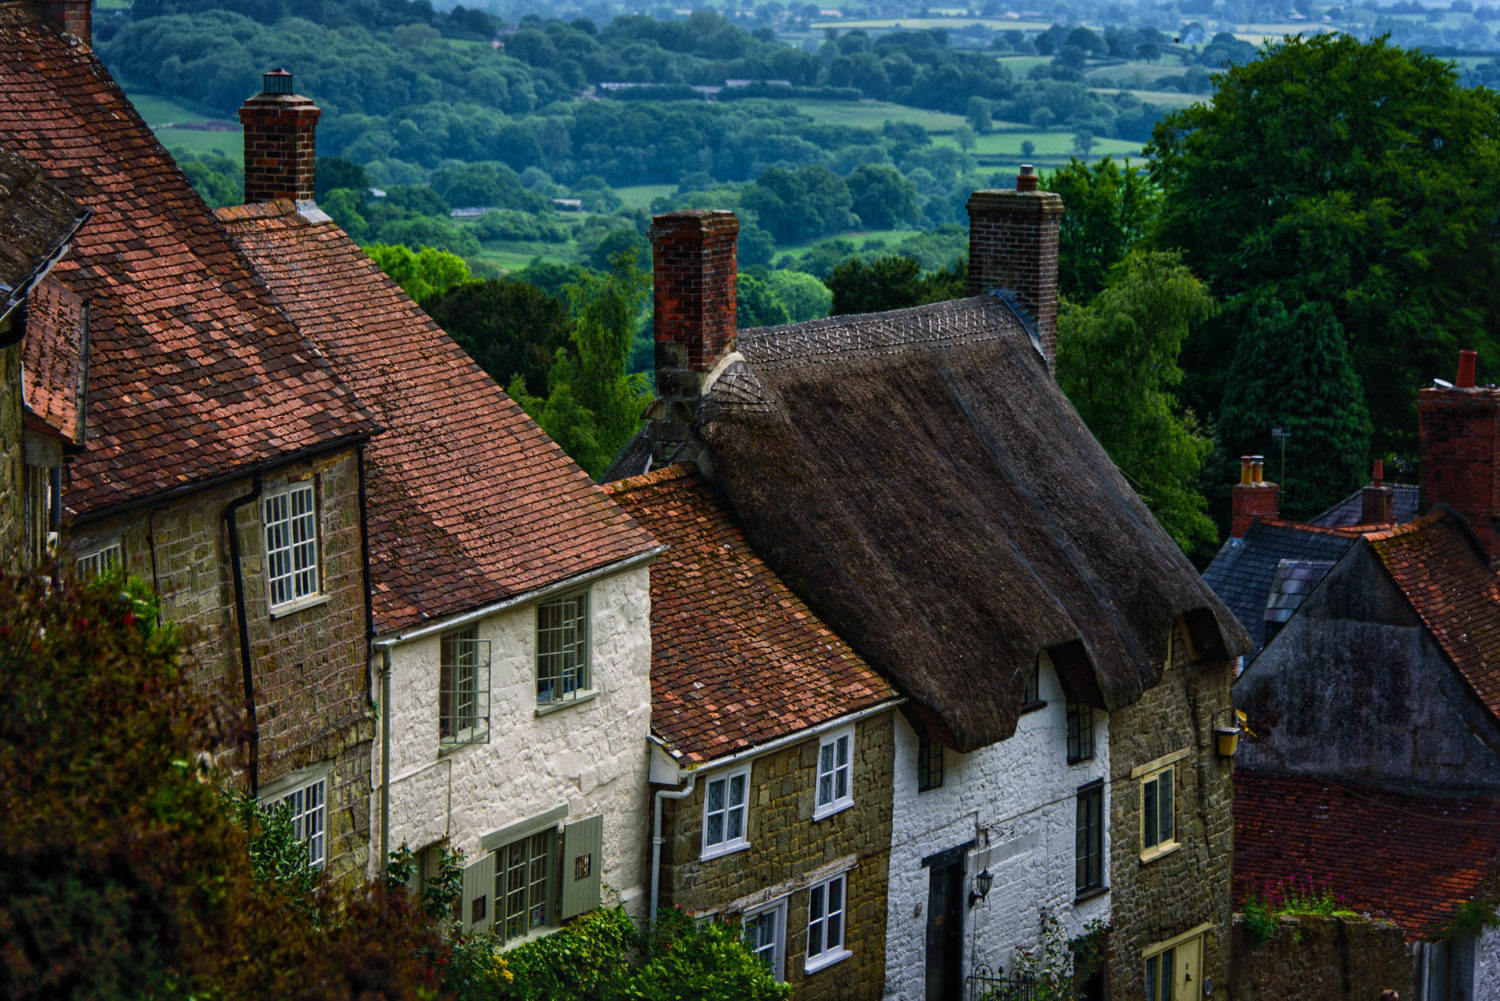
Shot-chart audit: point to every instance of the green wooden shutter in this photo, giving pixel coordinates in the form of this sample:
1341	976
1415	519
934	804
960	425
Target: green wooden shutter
479	894
582	858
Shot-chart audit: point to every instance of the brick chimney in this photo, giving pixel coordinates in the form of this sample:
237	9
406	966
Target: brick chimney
73	17
1254	498
1377	502
1458	427
280	141
1013	246
696	303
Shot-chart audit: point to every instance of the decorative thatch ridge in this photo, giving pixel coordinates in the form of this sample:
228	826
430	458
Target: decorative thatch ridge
919	479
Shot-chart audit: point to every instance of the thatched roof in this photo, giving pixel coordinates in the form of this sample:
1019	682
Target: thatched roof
919	479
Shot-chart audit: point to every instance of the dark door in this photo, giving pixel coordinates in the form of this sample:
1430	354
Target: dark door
945	925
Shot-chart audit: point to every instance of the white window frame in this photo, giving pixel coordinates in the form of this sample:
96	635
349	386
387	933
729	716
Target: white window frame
539	871
309	820
1168	841
827	799
293	561
774	952
463	688
553	680
101	559
821	918
726	844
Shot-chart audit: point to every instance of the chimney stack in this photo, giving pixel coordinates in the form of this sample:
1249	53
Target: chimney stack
1459	431
1013	247
1254	497
1377	502
280	141
696	305
73	17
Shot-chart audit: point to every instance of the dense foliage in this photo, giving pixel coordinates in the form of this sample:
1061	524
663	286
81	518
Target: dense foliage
512	329
1110	209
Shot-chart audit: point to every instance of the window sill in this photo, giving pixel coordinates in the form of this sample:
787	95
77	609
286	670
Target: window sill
467	738
719	851
832	809
1084	895
530	936
1160	851
826	960
578	698
1031	707
298	605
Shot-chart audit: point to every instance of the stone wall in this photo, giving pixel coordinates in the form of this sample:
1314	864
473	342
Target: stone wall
12	472
1164	895
310	674
1321	959
788	850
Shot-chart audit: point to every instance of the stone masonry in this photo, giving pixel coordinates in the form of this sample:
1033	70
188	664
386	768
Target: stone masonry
786	846
12	470
310	669
1187	886
1345	958
1013	245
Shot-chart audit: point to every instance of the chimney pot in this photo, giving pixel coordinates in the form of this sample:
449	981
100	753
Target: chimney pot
1027	179
278	81
1252	498
1247	472
1257	469
1377	474
1465	378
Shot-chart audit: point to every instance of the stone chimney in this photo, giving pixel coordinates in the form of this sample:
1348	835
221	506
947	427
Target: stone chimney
1013	247
1254	498
1378	502
73	17
280	141
1458	428
696	305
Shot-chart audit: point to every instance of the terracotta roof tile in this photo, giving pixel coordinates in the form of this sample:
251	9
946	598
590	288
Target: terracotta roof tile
737	659
36	221
1409	859
55	354
161	279
469	501
1445	575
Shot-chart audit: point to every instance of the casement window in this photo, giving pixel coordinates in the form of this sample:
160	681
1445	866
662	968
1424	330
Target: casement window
1158	833
463	688
533	875
826	904
1088	858
835	773
304	797
1080	732
765	936
100	560
929	764
726	808
42	503
291	520
1032	696
525	884
562	642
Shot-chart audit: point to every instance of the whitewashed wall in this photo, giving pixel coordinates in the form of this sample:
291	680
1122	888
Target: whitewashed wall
1020	798
592	756
1487	965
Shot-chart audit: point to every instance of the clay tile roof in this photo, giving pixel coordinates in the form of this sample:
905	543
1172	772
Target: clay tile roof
923	483
194	370
55	354
36	221
1444	573
737	659
469	501
1409	859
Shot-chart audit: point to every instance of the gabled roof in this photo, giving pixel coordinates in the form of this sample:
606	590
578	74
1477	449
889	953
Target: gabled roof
1243	570
36	222
55	358
1409	859
1443	571
194	372
923	483
469	501
1406	499
737	659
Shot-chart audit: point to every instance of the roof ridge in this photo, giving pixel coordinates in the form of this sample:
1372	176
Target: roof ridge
256	210
676	471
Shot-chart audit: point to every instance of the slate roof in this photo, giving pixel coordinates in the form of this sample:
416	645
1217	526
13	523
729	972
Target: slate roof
922	482
36	221
469	501
1410	859
1406	499
195	372
1292	582
737	659
1443	571
1243	570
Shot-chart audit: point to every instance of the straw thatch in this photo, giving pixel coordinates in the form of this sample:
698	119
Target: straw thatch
923	483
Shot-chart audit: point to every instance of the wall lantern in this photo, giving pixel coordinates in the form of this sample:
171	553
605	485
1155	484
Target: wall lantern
982	884
1227	734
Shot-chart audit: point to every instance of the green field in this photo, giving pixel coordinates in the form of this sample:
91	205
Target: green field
640	196
923	23
163	116
1019	66
890	237
874	115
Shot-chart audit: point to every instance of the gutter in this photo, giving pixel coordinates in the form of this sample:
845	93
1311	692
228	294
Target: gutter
231	526
657	840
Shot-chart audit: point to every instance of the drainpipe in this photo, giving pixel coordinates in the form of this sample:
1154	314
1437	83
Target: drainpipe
385	757
657	840
231	526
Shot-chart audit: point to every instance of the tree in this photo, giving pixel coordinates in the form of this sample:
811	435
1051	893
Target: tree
758	304
977	114
512	329
336	172
881	197
1117	363
217	178
1110	209
804	297
1083	142
1350	173
1028	148
1292	371
891	282
965	136
422	274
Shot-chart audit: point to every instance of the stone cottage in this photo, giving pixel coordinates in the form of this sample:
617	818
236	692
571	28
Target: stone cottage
508	596
771	751
923	485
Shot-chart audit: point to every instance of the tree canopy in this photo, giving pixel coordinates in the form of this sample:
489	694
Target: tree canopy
512	329
1110	208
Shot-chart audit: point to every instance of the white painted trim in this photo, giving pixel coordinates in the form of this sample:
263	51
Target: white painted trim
1176	940
526	597
727	846
839	803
